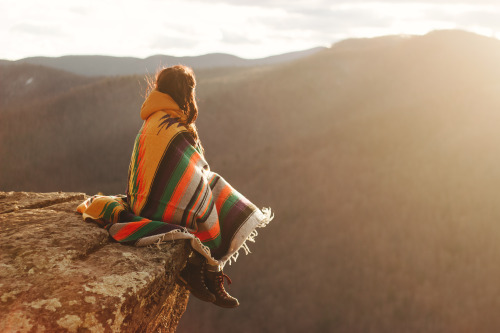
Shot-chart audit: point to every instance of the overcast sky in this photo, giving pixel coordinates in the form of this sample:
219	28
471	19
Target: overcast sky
246	28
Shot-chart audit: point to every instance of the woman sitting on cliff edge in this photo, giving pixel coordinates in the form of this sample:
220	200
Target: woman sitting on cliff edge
172	194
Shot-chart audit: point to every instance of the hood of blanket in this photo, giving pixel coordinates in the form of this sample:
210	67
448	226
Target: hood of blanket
158	101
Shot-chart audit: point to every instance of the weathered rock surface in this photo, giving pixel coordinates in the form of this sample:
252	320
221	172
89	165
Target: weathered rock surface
60	274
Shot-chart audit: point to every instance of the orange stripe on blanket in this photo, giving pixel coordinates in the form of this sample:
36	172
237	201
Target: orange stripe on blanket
208	205
140	181
142	152
180	189
129	229
195	205
212	178
224	194
83	206
209	234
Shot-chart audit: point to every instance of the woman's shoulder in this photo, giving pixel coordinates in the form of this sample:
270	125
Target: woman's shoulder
163	123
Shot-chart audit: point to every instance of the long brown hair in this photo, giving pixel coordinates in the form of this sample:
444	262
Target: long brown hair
179	82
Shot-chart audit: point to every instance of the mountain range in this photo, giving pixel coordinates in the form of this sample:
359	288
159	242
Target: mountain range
109	66
379	158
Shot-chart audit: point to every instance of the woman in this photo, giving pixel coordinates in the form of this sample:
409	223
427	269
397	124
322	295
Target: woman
172	193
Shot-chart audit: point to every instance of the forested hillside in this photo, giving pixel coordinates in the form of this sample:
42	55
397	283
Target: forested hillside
378	157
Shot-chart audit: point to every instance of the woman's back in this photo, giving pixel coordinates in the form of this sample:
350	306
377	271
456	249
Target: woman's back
163	163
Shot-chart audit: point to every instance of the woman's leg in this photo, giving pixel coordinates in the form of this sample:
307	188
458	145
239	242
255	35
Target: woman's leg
214	278
193	277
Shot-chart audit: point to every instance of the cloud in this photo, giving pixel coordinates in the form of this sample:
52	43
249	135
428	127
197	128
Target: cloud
236	37
287	4
80	10
489	19
38	29
356	18
247	28
169	42
328	19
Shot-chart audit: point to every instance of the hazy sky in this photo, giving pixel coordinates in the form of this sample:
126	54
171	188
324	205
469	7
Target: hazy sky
247	28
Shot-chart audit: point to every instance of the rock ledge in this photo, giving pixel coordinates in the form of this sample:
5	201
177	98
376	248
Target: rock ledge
60	274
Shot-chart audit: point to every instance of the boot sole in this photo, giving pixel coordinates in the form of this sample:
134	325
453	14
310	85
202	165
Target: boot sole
226	307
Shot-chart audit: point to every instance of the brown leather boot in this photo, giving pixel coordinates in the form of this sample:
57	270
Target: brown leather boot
215	283
193	278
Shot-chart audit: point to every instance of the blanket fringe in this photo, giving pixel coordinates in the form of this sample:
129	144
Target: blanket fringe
162	238
197	246
205	250
268	217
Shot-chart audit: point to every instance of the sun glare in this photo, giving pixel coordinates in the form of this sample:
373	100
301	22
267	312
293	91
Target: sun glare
180	28
418	18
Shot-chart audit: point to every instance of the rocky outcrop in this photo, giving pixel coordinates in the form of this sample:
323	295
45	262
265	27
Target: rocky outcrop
59	273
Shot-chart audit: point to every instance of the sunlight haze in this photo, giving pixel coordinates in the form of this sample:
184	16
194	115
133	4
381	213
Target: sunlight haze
248	29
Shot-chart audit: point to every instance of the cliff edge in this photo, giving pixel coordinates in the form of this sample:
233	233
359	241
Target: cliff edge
59	273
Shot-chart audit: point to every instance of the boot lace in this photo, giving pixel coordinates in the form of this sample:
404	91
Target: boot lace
202	276
220	281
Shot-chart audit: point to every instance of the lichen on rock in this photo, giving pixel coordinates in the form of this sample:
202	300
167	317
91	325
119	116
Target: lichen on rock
58	273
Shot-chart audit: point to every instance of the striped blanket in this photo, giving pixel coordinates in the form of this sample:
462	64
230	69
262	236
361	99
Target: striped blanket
173	194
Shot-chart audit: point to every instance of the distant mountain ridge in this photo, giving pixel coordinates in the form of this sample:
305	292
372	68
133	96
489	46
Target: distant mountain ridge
97	65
